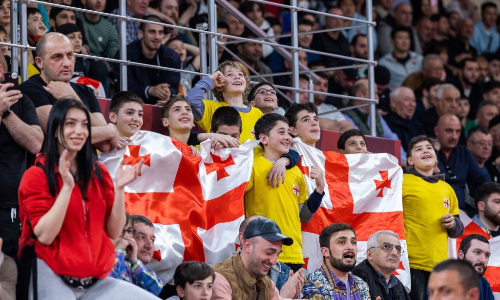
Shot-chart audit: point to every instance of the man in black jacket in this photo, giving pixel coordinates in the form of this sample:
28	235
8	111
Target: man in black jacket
383	256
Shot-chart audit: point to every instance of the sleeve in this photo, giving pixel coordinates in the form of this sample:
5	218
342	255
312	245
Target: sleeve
108	189
36	93
113	43
364	290
457	230
28	114
250	182
221	289
120	268
93	103
294	157
147	279
312	289
195	96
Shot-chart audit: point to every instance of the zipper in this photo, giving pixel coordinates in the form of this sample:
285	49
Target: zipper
85	230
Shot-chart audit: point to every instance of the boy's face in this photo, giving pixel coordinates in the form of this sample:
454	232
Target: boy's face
307	127
423	156
265	98
128	230
37	20
354	144
279	139
232	130
234	80
129	118
199	290
76	40
180	117
178	46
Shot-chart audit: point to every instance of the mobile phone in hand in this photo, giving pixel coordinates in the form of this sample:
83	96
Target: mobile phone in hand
12	77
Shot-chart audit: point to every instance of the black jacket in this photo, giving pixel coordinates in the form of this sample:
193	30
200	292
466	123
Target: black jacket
405	129
366	272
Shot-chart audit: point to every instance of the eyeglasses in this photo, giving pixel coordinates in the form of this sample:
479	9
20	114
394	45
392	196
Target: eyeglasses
388	247
130	231
265	91
451	174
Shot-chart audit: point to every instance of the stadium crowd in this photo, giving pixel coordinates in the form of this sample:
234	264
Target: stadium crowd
438	86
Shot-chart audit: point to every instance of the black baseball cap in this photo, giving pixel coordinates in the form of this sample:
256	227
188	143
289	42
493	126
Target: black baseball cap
267	229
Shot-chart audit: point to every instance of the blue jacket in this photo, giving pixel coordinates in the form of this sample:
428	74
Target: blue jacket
486	292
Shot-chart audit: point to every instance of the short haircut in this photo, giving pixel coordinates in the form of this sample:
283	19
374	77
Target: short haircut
346	135
488	4
465	244
40	45
247	6
69	28
359	85
472	131
491	85
247	34
122	97
153	18
190	271
266	123
373	239
414	141
225	115
142	219
170	41
429	57
294	109
332	229
54	11
469	278
229	63
166	108
484	191
399	29
305	21
355	38
31	11
444	86
465	61
222	24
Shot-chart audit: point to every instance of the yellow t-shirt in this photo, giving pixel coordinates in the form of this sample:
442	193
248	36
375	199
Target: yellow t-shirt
278	204
424	204
248	119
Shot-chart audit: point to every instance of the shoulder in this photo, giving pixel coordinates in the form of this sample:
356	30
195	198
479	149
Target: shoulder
360	282
255	111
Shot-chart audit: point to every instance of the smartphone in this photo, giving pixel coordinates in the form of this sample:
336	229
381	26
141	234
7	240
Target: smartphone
12	77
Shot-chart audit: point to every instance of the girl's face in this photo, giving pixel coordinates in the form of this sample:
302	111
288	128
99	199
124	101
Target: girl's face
180	117
178	46
463	108
5	13
234	80
76	40
75	131
4	38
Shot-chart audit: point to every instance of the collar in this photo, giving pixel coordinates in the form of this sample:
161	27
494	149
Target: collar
393	281
431	179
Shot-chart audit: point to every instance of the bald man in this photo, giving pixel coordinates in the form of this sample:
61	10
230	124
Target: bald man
56	61
457	162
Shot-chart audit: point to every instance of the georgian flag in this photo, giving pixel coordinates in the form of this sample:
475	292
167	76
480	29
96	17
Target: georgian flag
363	190
196	203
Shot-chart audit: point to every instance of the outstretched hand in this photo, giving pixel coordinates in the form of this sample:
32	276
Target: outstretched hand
65	172
125	176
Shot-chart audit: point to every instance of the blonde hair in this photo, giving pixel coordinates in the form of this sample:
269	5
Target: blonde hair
234	64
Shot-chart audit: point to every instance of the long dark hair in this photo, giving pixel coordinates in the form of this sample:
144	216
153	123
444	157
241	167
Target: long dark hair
84	158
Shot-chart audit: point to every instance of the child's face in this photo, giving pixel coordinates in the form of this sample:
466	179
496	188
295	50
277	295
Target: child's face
423	156
463	108
4	38
279	139
265	98
5	13
76	40
180	117
234	80
129	118
355	144
178	46
37	19
232	130
307	127
128	230
199	290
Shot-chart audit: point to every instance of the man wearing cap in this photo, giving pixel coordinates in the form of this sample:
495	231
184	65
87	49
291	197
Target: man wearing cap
244	275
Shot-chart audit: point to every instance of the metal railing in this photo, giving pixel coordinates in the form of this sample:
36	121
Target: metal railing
208	35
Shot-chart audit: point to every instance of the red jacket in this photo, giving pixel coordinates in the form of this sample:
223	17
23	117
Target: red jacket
82	248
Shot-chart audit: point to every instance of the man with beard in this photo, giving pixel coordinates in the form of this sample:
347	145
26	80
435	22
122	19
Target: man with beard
153	85
383	255
488	208
475	249
334	279
244	275
468	84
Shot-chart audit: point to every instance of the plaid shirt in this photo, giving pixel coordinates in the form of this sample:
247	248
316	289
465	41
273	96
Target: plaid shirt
323	284
132	26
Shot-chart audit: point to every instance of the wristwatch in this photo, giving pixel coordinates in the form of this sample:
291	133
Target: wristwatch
6	113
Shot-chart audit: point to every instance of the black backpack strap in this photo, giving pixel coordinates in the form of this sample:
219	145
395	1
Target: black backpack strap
98	172
51	188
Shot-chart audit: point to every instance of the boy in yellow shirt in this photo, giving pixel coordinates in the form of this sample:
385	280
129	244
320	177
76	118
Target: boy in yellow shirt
287	204
430	209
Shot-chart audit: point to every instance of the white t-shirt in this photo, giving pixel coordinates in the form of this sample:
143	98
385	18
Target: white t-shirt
334	116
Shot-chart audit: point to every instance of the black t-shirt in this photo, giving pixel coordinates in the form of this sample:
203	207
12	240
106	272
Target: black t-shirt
33	88
12	156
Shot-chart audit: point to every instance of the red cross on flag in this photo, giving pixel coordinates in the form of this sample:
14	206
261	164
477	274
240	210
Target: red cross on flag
196	203
363	190
493	270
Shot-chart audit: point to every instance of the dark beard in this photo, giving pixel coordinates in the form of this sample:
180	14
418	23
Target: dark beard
474	265
492	216
339	265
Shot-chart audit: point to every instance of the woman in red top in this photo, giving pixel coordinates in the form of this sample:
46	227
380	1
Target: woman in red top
74	228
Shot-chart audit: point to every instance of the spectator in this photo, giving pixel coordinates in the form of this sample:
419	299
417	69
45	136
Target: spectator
426	97
291	203
359	49
494	129
135	9
256	13
329	118
425	32
486	112
263	96
442	32
101	35
36	27
126	113
287	80
464	8
483	68
400	118
425	197
251	54
352	141
53	85
401	62
402	16
478	257
460	47
5	15
303	96
446	102
493	67
453	19
382	79
432	67
60	16
339	247
129	265
463	113
236	28
153	85
468	85
480	144
340	82
456	161
193	281
349	9
491	92
238	276
191	63
58	223
383	254
488	209
170	8
20	133
486	38
304	123
222	54
454	279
